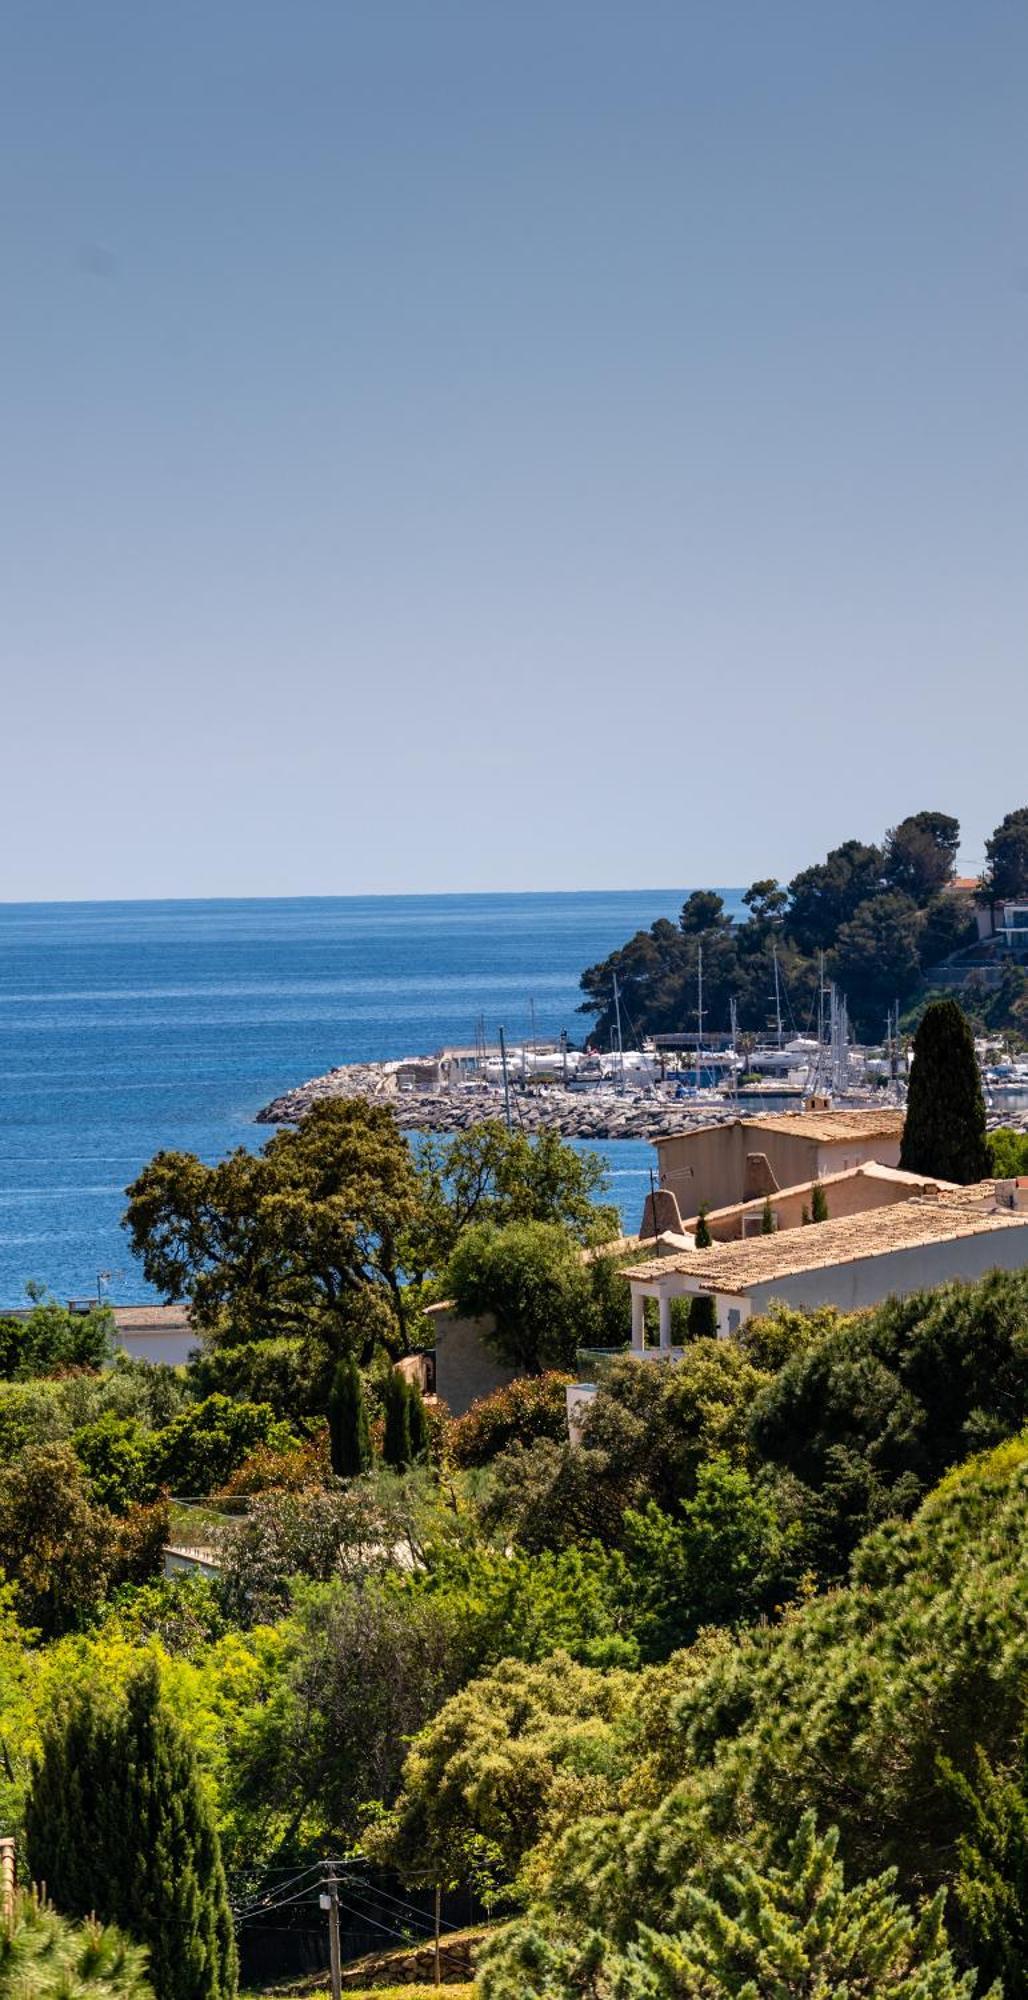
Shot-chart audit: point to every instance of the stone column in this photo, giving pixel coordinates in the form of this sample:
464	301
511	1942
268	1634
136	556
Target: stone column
638	1322
664	1308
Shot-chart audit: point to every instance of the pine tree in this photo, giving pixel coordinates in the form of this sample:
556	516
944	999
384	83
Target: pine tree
420	1435
44	1957
704	1238
990	1889
396	1445
944	1132
818	1203
767	1218
799	1930
348	1428
118	1825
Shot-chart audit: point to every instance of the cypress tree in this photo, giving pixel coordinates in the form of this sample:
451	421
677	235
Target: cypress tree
767	1218
118	1824
944	1133
703	1235
396	1445
420	1436
348	1428
818	1203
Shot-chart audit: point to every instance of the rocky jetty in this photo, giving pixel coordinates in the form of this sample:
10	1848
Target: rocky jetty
589	1114
592	1114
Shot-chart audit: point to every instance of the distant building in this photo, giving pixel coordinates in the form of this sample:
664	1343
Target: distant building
748	1158
155	1333
1005	924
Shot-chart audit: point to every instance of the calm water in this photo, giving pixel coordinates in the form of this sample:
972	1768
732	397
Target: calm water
125	1027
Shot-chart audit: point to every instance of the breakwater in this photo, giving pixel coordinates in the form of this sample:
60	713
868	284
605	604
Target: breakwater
588	1114
591	1114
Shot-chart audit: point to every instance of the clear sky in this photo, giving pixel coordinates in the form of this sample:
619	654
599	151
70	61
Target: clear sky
469	444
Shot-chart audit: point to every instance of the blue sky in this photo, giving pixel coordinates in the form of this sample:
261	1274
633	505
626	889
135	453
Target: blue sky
459	445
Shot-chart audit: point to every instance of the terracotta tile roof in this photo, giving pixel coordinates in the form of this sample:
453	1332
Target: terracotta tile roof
158	1319
868	1170
825	1127
759	1260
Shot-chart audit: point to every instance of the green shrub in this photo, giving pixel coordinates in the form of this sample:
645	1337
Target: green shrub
293	1375
532	1407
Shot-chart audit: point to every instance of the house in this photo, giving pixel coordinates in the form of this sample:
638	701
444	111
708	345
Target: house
854	1191
748	1158
1005	925
465	1365
155	1333
852	1263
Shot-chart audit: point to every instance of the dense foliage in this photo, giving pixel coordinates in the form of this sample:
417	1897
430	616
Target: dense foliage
882	915
118	1826
676	1694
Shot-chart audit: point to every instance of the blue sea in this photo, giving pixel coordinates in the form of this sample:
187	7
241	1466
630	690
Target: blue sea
126	1027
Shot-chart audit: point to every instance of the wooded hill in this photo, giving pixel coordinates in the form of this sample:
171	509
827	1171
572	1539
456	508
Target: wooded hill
883	914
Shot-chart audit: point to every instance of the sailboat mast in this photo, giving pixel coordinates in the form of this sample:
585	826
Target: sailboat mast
699	1012
506	1079
778	995
620	1044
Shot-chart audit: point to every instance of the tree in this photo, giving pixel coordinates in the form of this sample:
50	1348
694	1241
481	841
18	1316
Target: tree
703	1238
63	1553
348	1427
44	1957
1006	875
727	1557
797	1933
530	1278
920	854
766	901
825	897
991	1887
397	1447
818	1203
767	1218
303	1237
944	1131
118	1824
703	911
477	1782
51	1336
876	958
488	1174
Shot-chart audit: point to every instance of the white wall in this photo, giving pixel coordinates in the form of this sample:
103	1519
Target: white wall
869	1280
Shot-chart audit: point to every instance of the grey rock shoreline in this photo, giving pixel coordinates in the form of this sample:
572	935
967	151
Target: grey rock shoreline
575	1114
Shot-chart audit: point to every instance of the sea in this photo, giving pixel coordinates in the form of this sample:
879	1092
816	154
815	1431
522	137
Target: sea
130	1027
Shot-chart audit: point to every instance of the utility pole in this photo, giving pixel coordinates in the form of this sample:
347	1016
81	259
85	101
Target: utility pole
506	1079
329	1900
